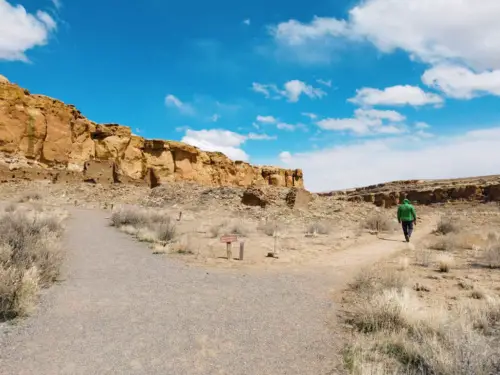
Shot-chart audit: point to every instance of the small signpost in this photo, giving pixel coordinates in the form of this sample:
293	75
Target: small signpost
228	239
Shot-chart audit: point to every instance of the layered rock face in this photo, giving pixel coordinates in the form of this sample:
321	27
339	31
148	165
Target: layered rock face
478	189
56	138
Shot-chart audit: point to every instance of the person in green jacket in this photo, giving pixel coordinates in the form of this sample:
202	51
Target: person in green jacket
408	217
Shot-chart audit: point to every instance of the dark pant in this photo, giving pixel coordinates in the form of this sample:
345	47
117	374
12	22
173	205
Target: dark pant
407	228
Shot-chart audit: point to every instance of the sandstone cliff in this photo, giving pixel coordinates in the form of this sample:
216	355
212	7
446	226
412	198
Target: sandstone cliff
478	189
41	137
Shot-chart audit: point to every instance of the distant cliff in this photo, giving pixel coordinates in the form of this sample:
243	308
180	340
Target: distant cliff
472	189
41	136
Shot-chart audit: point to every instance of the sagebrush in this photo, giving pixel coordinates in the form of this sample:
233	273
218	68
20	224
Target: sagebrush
394	333
380	222
30	257
147	225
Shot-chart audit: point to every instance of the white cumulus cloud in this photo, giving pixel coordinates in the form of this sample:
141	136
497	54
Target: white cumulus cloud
462	83
295	88
225	141
21	31
433	31
395	96
460	39
367	122
474	153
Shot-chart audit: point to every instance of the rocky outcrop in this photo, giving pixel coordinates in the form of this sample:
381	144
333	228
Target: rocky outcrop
481	189
298	198
52	136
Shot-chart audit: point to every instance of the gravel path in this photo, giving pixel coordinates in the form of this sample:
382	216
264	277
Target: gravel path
122	310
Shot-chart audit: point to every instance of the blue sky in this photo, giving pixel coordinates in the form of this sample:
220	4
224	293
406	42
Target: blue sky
352	92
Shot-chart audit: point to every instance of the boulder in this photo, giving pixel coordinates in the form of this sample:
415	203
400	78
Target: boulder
254	196
298	198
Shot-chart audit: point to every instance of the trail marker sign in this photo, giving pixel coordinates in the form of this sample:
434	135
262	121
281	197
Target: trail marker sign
228	239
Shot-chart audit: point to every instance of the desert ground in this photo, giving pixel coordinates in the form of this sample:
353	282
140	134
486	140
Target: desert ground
140	283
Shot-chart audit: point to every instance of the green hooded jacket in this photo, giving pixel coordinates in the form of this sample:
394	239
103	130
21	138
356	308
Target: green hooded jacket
406	212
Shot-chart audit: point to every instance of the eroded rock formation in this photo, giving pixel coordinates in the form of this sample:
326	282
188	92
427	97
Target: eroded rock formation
474	189
54	140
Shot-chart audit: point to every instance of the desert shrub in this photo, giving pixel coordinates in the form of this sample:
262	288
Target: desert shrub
445	243
387	310
446	226
492	237
319	227
30	196
165	231
477	294
133	216
403	263
379	221
269	228
186	246
239	228
445	262
491	255
396	334
364	282
30	257
369	282
423	257
147	225
215	230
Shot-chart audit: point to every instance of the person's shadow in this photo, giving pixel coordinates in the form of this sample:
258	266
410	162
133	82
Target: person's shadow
390	239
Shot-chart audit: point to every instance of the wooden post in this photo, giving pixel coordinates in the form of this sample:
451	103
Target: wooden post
229	249
180	216
242	250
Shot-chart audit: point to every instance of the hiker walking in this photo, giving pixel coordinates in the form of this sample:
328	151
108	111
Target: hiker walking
408	217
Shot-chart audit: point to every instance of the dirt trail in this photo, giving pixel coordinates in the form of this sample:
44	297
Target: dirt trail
122	310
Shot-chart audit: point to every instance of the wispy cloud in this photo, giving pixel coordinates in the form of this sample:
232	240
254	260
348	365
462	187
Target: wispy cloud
292	90
266	119
172	101
57	4
324	82
312	116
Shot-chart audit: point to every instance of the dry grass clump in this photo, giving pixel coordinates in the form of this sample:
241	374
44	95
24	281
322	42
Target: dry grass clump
30	257
238	227
445	243
445	262
186	246
147	225
318	227
216	230
491	255
29	196
270	228
395	334
423	257
379	222
368	282
447	226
